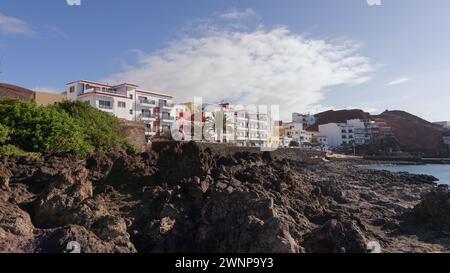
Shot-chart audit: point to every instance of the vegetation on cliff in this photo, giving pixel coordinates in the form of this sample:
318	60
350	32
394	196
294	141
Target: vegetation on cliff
68	127
100	129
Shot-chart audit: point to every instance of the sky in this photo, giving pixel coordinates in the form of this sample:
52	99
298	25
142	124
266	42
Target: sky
303	55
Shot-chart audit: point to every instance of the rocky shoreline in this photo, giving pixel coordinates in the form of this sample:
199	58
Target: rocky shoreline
186	197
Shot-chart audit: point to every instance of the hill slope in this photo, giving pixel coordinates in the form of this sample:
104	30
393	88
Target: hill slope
413	133
337	117
9	90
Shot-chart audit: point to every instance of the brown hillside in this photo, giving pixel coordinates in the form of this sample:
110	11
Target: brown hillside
414	133
9	90
337	117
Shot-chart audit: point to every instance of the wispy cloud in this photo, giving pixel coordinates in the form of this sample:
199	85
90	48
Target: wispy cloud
398	81
235	14
259	66
14	25
56	31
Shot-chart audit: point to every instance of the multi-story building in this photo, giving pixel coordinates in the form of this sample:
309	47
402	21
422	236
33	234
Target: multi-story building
354	131
127	101
338	134
306	120
251	128
318	138
224	124
293	130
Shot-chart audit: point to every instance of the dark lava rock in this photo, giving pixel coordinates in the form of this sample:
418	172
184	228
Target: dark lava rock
183	197
336	237
433	212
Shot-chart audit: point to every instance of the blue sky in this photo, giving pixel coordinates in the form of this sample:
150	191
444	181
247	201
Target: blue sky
398	52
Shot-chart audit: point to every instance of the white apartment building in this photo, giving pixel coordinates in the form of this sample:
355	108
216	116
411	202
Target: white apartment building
294	131
251	128
354	131
338	134
318	138
224	124
127	101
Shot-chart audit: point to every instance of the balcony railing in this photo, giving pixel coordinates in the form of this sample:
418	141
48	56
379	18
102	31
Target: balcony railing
93	90
149	102
146	116
167	104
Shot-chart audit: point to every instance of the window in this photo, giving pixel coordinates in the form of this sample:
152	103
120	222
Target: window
104	104
131	112
122	104
146	113
131	96
72	89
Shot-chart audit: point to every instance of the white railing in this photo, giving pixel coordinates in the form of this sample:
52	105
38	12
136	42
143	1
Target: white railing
149	102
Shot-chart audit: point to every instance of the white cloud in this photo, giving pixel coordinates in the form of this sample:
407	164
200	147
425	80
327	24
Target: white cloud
263	66
14	25
235	14
398	81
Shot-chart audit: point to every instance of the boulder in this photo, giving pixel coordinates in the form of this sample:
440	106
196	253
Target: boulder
5	175
60	202
336	237
16	229
433	212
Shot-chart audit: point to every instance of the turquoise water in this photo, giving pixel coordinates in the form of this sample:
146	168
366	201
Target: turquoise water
442	172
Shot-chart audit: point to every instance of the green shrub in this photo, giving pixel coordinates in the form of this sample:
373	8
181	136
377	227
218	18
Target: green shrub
41	129
100	129
4	134
11	150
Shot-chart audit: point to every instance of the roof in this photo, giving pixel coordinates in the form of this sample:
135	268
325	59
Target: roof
122	84
91	82
128	84
154	93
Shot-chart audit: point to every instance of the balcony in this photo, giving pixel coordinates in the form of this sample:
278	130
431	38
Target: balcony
167	119
146	117
147	102
102	90
166	104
